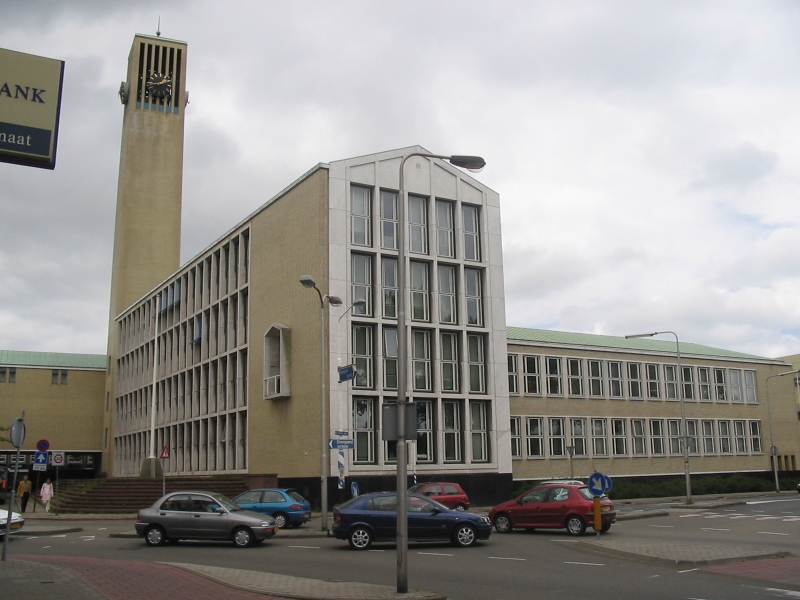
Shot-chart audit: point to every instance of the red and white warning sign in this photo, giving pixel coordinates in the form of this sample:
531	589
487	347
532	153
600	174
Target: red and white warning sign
57	459
164	452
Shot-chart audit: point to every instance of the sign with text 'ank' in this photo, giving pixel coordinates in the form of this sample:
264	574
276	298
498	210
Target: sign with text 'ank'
30	107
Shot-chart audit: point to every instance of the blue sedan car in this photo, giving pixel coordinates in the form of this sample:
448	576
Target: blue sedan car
373	517
285	505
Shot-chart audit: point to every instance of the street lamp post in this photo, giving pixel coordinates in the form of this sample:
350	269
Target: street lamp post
309	282
472	163
773	451
684	432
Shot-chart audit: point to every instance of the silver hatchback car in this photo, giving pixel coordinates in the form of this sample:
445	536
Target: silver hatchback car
198	515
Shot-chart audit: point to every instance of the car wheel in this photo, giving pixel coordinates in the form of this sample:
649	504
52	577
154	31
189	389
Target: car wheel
606	527
155	536
460	506
243	537
360	538
575	525
281	520
502	523
464	536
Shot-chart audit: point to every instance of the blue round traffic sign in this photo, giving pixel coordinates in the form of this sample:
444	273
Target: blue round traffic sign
42	445
597	484
354	490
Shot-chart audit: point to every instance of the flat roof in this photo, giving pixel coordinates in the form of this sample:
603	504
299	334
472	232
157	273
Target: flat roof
612	342
53	360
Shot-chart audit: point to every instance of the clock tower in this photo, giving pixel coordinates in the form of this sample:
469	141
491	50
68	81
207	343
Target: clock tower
147	233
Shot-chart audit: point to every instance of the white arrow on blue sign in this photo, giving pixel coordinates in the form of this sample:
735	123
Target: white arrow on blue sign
599	484
341	444
40	461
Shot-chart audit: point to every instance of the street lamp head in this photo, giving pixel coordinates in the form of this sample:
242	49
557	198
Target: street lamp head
308	281
360	302
334	300
470	163
640	335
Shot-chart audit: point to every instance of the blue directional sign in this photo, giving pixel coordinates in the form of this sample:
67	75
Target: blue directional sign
346	373
354	491
599	484
341	444
341	433
40	461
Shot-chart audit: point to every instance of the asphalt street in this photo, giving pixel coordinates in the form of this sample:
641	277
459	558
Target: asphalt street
518	565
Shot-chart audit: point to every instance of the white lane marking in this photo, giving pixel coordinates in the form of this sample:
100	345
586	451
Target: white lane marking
32	538
45	547
791	520
717	516
567	541
434	554
665	526
687	570
767	518
770	501
786	512
654	576
310	547
569	562
376	550
506	558
787	593
62	535
690	516
729	509
743	517
102	528
754	510
713	529
771	533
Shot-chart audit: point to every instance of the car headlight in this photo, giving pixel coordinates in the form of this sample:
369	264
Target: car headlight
266	524
486	520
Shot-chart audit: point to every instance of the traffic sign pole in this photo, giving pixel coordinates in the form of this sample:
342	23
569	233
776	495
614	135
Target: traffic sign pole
17	438
597	516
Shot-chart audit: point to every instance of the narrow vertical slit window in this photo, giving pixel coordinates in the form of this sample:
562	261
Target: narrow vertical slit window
557	437
516	437
750	387
553	366
477	364
657	436
451	410
575	369
388	220
709	447
634	380
704	384
362	356
473	293
361	216
688	383
736	385
362	283
472	249
449	352
418	224
740	436
445	229
670	382
674	431
532	374
364	430
578	434
513	374
420	297
425	446
479	425
619	436
535	437
755	437
692	434
596	378
390	358
720	388
599	437
389	284
447	294
421	360
615	386
724	428
639	437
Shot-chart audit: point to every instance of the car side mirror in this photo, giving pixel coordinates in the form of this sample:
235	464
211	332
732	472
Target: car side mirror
219	510
436	511
429	493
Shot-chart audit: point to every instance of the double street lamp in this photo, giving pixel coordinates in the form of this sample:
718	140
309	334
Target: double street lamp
773	450
471	163
679	382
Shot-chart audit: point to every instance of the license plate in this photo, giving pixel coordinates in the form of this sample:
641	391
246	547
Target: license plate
15	525
307	516
605	508
276	529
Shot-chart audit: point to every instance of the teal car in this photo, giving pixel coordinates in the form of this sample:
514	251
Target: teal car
285	505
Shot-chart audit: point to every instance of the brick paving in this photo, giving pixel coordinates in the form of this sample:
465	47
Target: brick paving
677	553
37	581
785	571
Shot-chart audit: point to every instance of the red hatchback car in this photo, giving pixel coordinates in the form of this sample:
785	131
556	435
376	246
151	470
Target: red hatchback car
449	494
563	504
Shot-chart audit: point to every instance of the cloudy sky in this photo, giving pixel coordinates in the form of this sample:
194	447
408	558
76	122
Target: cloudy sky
646	154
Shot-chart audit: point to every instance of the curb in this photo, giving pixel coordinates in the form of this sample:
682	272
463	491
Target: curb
45	531
280	535
642	514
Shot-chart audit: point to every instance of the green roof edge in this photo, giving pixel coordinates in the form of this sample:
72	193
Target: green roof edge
61	360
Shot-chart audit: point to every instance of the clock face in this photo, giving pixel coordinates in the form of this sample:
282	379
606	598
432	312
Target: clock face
159	86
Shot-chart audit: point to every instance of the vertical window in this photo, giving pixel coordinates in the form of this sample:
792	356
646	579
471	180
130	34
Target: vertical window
595	378
390	358
709	447
724	437
575	374
615	379
674	431
516	438
599	437
688	383
719	386
735	378
3	374
755	436
553	366
670	385
619	437
513	374
12	374
420	300
54	379
653	383
471	233
634	380
691	434
480	431
362	283
558	440
444	229
421	360
472	291
704	384
657	436
389	283
362	356
477	367
639	437
578	433
447	294
449	348
418	225
740	436
364	430
750	387
389	220
452	430
535	436
361	216
425	453
531	366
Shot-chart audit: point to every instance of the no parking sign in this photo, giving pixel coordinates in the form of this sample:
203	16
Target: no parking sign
57	459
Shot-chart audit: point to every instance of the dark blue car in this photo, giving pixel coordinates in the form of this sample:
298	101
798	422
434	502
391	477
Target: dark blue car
373	517
285	505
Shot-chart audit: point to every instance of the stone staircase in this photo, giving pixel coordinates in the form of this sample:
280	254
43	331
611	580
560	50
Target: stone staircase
121	495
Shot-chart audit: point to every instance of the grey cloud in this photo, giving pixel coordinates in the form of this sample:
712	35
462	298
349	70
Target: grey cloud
736	168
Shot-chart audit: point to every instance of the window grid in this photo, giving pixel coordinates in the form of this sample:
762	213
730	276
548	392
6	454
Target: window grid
418	224
619	437
420	297
445	230
513	374
558	438
575	370
447	294
361	216
530	365
471	233
449	356
473	295
553	367
388	220
516	437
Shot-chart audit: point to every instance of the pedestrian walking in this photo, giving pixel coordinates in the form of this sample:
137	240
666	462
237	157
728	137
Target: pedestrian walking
24	492
46	494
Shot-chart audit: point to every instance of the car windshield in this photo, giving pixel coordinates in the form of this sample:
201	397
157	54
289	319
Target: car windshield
226	502
416	488
348	502
297	497
587	494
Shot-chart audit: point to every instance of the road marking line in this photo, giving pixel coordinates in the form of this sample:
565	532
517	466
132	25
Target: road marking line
376	550
697	515
506	558
743	517
770	501
772	533
754	510
729	509
62	535
713	529
687	571
311	547
569	562
717	516
787	593
767	518
434	554
32	538
567	541
45	547
102	528
661	525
